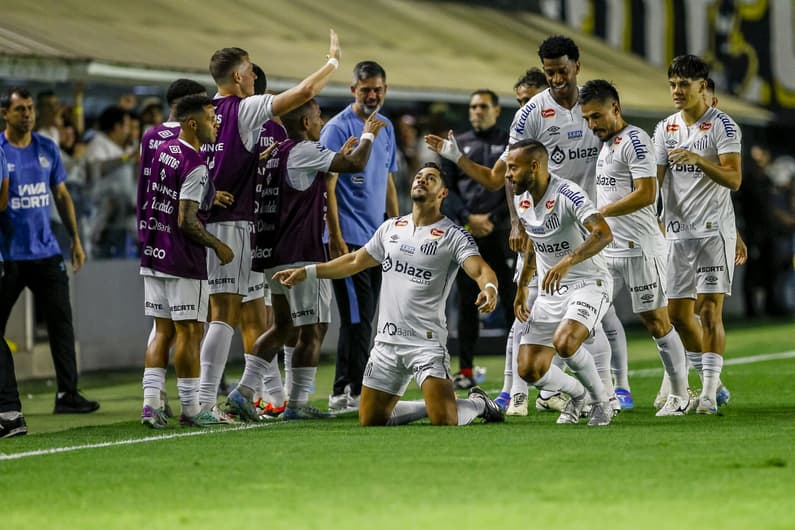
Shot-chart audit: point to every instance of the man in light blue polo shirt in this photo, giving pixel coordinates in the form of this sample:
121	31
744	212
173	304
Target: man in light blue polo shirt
32	255
358	203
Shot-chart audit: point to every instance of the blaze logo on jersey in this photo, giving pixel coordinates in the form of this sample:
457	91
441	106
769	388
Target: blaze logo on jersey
557	156
386	265
525	204
401	222
672	127
705	126
436	233
550	204
429	248
548	113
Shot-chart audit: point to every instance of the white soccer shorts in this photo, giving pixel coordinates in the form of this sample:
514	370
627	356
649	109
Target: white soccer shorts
643	276
310	300
391	366
584	301
232	278
176	298
697	266
258	288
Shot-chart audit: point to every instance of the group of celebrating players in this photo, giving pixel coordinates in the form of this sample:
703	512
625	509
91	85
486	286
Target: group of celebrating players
244	175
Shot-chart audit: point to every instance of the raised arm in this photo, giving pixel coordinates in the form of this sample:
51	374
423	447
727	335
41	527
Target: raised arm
311	86
491	179
357	160
599	236
477	269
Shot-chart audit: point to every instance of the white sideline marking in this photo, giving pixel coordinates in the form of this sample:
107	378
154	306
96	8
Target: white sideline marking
651	372
130	441
55	450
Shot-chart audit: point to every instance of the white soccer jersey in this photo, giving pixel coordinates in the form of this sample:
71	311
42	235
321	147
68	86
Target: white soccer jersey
573	149
694	205
419	264
625	158
556	227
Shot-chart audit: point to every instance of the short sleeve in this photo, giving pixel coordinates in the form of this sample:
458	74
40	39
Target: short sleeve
194	187
660	150
375	247
333	137
464	245
727	135
639	156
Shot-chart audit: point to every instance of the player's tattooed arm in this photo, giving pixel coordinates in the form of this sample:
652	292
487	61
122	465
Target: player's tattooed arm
599	236
193	228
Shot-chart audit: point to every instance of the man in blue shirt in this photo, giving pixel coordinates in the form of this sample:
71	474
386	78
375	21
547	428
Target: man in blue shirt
33	258
357	205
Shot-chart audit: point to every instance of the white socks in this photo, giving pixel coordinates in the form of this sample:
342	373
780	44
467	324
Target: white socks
694	358
510	353
288	367
253	374
582	364
214	352
713	364
189	395
303	380
272	381
407	411
153	382
469	409
672	355
618	347
556	381
599	348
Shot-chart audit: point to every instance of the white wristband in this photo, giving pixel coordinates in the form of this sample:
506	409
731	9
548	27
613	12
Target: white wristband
311	272
333	61
368	136
492	286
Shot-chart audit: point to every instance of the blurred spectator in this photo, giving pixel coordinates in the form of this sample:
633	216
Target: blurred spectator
48	114
782	204
128	102
768	224
151	113
111	164
408	140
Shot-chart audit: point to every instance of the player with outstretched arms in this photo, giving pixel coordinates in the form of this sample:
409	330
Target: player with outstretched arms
698	164
419	255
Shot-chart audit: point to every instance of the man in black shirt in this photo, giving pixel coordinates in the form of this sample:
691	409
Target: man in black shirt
484	213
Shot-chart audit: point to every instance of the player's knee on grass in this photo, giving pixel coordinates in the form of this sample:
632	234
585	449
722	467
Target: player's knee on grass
375	407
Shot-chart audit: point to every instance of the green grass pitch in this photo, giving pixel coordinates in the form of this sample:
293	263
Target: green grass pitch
728	472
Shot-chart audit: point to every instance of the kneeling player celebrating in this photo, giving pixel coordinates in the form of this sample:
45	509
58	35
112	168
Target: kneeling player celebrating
419	255
567	233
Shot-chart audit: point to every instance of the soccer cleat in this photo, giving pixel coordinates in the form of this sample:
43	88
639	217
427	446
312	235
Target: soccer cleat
220	416
462	382
503	400
205	418
706	405
154	418
305	412
625	398
240	406
554	403
518	406
694	398
74	403
659	400
272	413
723	395
674	406
167	412
571	412
601	414
491	412
338	403
13	427
615	405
